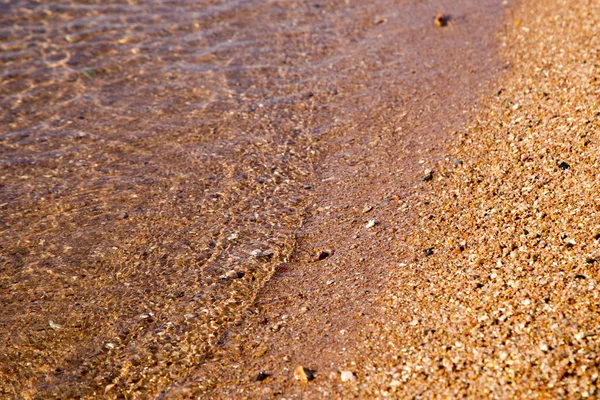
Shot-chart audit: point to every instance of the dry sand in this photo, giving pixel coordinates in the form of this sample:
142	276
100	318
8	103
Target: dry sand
507	305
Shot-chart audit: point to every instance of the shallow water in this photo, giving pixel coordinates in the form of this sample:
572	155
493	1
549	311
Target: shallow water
167	60
148	148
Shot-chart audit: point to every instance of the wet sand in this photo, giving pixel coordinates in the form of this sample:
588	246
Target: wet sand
169	245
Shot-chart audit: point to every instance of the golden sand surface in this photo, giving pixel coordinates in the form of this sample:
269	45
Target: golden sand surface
507	304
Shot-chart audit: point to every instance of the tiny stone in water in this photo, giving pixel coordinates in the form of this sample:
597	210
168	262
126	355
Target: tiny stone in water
233	274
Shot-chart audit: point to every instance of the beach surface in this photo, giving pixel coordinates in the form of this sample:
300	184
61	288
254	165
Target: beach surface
300	200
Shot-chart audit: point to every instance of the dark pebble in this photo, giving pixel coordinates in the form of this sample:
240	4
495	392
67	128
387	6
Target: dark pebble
324	254
580	276
428	252
261	376
563	165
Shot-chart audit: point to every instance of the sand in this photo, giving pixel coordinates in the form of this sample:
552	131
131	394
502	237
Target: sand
495	294
481	282
506	307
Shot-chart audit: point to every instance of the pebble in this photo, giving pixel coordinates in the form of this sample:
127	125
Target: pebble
323	254
233	274
440	20
88	72
268	253
370	224
347	376
427	175
380	21
366	208
303	374
145	317
262	253
54	325
261	376
256	253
